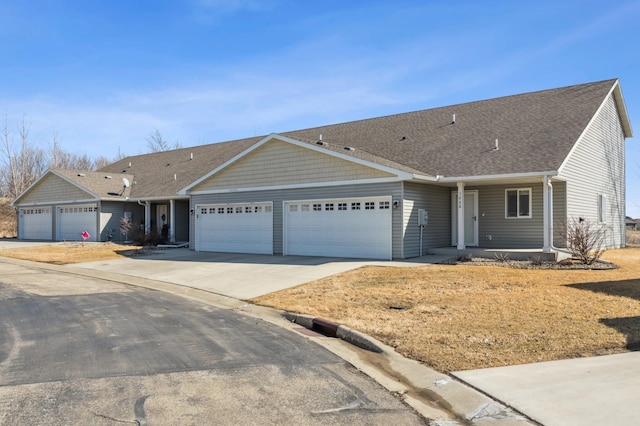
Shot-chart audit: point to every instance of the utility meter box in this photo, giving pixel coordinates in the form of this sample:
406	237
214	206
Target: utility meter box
423	217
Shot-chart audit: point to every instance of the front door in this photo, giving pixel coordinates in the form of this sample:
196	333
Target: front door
161	217
470	218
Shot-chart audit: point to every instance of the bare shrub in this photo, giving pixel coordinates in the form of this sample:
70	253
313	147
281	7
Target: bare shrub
585	240
501	257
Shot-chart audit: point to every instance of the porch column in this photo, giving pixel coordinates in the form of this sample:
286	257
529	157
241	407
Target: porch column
547	205
172	220
147	217
461	245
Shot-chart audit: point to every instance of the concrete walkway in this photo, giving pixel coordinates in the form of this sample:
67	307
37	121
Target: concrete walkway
594	391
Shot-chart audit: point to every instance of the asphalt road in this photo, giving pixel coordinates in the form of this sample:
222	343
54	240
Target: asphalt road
75	350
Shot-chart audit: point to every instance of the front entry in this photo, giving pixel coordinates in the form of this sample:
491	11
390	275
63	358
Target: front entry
470	218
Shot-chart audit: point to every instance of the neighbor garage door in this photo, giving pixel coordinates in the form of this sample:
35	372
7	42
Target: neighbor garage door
359	228
35	224
73	221
235	228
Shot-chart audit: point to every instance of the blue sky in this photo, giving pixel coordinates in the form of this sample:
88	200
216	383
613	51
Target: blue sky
102	76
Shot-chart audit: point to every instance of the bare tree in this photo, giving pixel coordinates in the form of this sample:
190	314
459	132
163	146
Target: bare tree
22	163
156	143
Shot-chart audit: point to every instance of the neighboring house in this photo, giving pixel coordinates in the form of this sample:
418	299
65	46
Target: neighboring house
498	174
632	224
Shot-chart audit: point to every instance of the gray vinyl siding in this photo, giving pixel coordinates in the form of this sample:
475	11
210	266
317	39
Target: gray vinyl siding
182	220
110	215
508	233
437	202
596	166
278	197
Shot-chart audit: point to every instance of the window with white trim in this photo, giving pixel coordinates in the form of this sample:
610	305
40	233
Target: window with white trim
369	205
328	207
518	203
317	207
342	206
602	208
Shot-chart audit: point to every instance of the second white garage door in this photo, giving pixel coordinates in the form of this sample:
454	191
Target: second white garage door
235	228
358	228
73	221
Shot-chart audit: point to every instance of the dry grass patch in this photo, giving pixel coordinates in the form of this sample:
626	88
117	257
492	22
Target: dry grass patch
66	253
458	317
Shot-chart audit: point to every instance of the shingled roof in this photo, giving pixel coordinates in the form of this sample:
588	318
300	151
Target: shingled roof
536	131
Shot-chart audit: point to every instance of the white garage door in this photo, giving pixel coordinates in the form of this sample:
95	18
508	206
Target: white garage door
235	228
359	228
73	221
35	224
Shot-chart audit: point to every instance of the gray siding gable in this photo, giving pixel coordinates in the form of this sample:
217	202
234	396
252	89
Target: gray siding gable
596	166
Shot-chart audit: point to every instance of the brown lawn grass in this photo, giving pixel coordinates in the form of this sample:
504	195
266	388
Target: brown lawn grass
462	317
67	253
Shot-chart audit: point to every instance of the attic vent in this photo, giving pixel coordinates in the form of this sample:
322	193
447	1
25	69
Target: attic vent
108	177
175	177
81	174
321	143
453	119
129	163
404	138
349	148
191	157
497	147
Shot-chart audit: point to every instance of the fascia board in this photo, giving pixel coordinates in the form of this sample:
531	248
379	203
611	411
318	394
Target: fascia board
400	174
297	186
59	203
185	197
454	179
622	110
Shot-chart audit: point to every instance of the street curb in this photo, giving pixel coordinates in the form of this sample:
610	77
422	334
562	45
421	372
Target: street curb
332	329
466	403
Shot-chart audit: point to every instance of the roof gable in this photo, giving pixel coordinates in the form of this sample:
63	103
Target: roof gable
51	187
280	161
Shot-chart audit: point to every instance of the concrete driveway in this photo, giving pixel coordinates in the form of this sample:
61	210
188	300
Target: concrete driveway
241	276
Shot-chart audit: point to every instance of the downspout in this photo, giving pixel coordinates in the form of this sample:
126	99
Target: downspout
549	212
147	215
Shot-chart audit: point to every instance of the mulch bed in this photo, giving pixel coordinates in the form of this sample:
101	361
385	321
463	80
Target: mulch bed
568	264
